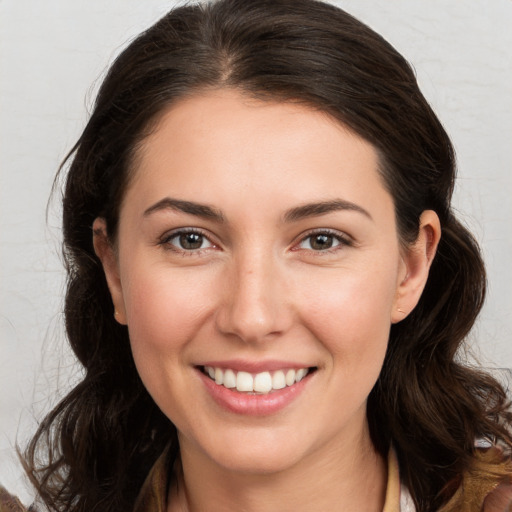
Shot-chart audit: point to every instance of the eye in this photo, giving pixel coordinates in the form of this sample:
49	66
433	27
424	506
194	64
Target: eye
323	241
188	241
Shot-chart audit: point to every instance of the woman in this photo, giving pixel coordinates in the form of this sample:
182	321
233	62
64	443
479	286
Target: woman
267	285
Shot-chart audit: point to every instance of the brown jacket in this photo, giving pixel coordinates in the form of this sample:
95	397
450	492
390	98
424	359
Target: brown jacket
153	495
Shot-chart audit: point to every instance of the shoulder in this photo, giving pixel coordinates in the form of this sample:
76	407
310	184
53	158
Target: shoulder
499	500
9	503
496	467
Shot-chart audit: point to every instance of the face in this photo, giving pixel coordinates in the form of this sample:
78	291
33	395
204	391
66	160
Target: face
258	269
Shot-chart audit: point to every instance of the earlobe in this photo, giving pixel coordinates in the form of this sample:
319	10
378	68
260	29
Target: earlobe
417	260
105	252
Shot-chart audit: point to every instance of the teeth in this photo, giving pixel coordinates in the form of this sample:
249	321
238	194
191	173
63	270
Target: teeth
263	382
244	382
298	377
229	379
278	380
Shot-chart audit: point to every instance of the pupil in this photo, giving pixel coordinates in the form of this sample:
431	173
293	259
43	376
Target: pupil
320	242
191	240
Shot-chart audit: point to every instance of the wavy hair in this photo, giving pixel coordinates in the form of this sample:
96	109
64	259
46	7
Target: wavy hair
92	452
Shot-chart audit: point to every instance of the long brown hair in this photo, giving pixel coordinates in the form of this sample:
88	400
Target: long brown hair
94	449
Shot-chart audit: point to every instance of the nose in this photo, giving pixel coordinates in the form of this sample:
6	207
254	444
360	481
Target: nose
254	305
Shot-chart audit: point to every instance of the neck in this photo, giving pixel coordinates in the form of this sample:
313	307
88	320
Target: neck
354	475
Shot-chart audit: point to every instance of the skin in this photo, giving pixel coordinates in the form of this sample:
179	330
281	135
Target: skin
258	290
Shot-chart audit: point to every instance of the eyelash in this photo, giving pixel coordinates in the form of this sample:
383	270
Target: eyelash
342	239
165	241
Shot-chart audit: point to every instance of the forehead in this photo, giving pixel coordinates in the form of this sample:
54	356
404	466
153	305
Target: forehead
221	141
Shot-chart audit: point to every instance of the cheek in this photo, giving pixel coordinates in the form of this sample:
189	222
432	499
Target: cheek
351	316
165	308
165	312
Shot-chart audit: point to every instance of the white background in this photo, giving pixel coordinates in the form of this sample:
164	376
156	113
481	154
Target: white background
52	55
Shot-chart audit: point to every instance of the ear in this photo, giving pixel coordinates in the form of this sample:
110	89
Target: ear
416	262
106	253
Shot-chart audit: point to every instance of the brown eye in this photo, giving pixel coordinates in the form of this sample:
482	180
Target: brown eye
187	241
324	241
321	242
191	241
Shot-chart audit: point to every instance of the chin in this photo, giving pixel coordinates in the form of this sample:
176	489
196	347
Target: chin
253	451
258	462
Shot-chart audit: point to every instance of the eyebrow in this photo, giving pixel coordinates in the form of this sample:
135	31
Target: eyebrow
293	215
200	210
322	208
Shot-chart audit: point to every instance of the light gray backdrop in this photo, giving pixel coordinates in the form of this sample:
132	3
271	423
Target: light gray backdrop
52	55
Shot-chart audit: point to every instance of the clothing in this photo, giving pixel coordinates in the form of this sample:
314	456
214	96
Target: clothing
9	503
153	494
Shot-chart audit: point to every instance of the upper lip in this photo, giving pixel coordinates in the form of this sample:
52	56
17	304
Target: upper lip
242	365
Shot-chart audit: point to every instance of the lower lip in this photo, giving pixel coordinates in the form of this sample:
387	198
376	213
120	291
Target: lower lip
253	405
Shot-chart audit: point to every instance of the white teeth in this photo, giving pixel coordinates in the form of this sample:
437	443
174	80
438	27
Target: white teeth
244	382
299	375
278	380
229	379
263	382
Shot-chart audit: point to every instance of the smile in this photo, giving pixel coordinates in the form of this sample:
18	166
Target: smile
260	383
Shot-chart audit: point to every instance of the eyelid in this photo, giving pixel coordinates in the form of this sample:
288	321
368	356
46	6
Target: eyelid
344	239
169	235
